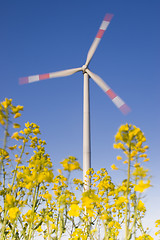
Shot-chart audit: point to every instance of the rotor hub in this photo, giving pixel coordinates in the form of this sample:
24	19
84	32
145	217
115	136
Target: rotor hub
84	67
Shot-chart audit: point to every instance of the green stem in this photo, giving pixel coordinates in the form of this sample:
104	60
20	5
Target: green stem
23	229
106	233
126	195
133	224
48	230
35	195
4	174
15	171
13	231
61	225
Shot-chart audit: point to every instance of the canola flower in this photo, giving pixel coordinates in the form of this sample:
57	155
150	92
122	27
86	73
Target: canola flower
130	140
113	166
35	202
141	186
74	210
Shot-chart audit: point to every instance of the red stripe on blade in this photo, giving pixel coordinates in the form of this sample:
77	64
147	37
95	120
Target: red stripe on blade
125	109
23	80
108	17
111	94
100	33
43	76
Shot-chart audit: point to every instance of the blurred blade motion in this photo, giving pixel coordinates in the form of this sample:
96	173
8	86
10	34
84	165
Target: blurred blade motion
36	78
102	29
120	104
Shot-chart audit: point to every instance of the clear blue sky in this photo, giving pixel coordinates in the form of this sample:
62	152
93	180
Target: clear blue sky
45	36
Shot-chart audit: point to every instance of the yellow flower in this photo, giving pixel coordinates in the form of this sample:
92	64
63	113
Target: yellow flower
39	229
146	160
146	147
9	199
143	155
119	157
2	122
13	212
47	196
20	108
141	206
131	135
113	166
16	125
12	148
117	225
137	165
74	166
143	139
59	171
53	226
87	202
141	186
6	103
17	109
17	115
29	185
120	201
145	236
90	212
45	176
118	137
65	164
70	164
139	144
36	130
126	161
157	233
124	127
15	136
140	171
157	223
110	224
27	131
104	216
18	160
134	153
74	210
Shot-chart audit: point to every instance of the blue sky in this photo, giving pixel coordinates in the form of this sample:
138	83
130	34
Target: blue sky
45	36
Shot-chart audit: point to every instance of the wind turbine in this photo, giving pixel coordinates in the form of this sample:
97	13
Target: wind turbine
120	104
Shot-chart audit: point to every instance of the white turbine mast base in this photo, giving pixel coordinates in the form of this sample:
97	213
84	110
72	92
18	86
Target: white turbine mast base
86	104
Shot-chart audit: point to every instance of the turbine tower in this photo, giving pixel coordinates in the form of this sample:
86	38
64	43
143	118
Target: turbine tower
120	104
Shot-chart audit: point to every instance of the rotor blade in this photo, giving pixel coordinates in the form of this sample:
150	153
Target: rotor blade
111	94
36	78
99	35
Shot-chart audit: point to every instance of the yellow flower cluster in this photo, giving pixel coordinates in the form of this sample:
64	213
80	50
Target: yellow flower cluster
130	140
70	164
7	107
157	225
36	203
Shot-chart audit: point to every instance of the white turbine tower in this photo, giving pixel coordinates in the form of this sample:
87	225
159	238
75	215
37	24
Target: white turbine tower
86	107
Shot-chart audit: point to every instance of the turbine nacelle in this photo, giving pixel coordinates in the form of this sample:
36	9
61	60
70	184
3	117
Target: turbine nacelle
84	67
